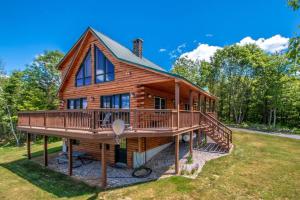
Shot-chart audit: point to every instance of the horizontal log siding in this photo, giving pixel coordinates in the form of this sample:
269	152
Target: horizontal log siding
94	150
128	78
149	102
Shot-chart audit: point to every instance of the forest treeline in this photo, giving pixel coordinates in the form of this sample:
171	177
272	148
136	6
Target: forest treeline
251	85
34	88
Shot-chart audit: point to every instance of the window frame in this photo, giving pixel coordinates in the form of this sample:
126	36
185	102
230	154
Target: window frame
74	103
112	100
160	103
187	106
106	70
83	67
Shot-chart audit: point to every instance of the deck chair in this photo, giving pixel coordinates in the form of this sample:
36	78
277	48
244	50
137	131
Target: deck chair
106	119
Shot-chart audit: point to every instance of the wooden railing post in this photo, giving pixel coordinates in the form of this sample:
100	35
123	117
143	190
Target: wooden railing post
93	122
134	125
65	123
45	119
29	120
177	102
172	119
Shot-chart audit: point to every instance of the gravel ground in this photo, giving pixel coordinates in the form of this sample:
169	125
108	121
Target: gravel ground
162	166
297	137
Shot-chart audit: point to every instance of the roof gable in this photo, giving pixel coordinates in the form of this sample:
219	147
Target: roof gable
121	53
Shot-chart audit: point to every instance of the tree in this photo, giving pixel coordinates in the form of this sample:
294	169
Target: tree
195	71
42	80
35	88
294	4
293	53
233	75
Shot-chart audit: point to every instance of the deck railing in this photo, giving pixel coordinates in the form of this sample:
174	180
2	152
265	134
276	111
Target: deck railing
97	120
102	119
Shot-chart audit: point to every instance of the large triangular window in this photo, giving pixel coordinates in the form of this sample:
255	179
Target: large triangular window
104	69
84	74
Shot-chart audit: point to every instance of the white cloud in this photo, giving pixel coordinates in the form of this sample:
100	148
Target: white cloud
273	44
202	52
178	51
162	50
209	35
276	43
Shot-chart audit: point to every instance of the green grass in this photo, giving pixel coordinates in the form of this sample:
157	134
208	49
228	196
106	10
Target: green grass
266	128
260	167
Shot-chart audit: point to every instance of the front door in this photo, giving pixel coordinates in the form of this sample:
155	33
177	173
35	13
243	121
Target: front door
121	151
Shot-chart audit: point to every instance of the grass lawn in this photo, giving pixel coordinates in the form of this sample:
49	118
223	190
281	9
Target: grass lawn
260	167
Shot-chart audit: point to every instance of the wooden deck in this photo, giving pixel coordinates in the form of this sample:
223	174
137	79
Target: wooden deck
97	123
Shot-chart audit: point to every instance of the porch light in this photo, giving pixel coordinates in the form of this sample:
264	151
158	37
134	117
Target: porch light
149	96
132	95
62	102
92	98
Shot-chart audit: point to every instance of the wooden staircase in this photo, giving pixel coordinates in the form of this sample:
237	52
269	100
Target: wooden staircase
217	131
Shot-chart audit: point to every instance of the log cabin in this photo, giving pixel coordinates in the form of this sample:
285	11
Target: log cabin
103	81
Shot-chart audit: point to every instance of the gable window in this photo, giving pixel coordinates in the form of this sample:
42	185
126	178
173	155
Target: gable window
84	74
80	103
104	69
159	103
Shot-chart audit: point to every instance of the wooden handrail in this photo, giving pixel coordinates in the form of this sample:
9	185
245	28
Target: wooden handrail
222	125
224	132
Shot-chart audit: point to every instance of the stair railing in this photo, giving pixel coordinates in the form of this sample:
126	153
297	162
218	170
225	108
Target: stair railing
219	129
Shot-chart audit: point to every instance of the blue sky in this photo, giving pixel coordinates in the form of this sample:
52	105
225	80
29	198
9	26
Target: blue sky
169	28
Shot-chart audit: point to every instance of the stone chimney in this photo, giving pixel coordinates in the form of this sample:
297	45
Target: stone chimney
138	47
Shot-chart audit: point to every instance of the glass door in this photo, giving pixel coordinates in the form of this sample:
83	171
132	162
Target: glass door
121	151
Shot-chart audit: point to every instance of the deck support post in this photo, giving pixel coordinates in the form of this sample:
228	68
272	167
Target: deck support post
209	105
70	157
103	167
191	143
45	150
176	154
214	106
205	105
199	102
177	102
199	137
28	145
191	107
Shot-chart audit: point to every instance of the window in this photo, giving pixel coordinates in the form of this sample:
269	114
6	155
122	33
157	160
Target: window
84	74
116	101
186	106
75	142
80	103
104	69
160	103
107	146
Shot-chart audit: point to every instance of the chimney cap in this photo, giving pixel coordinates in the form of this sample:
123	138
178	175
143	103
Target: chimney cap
138	39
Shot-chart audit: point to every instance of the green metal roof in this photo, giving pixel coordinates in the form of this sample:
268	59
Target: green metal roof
123	53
